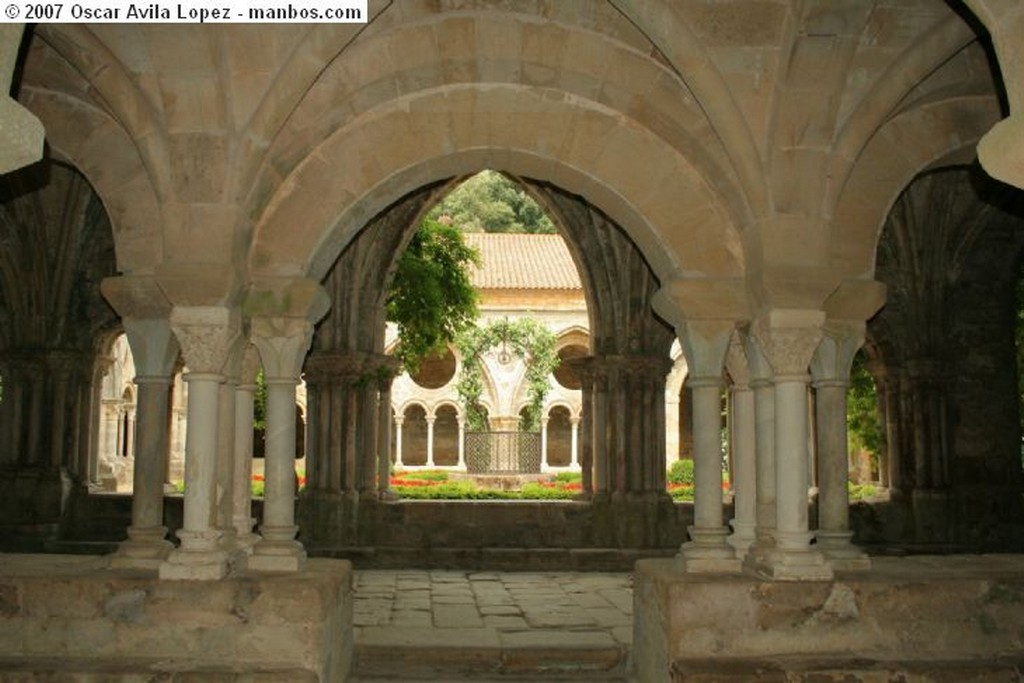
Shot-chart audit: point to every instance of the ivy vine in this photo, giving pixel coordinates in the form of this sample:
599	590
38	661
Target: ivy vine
523	337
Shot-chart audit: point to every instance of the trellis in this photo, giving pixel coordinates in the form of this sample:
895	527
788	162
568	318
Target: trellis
522	337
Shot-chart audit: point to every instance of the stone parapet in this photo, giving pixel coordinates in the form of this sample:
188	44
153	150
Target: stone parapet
914	614
72	613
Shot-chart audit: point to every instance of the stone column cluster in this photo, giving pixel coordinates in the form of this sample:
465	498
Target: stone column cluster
350	423
621	437
222	364
773	364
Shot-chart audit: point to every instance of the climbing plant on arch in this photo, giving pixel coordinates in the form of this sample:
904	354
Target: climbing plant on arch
523	337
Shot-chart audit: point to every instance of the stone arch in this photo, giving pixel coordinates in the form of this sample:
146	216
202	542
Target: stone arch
644	204
559	434
446	434
85	136
924	137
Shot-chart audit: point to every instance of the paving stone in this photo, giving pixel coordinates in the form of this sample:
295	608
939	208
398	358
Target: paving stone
499	610
505	621
609	617
456	616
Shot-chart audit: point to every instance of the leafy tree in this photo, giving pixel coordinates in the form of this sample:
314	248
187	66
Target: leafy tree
431	298
862	421
490	202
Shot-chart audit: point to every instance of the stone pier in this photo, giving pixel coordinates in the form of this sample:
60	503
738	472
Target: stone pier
72	618
926	618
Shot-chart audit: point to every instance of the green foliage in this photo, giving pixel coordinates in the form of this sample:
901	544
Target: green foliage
568	477
259	403
431	298
862	421
681	472
682	495
861	491
490	202
524	337
468	490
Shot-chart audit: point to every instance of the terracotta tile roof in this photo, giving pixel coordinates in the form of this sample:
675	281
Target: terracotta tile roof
516	261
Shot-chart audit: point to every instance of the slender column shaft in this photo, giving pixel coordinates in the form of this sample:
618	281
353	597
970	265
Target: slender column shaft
200	462
742	446
399	421
764	437
226	464
791	476
833	495
241	516
384	438
599	443
462	444
707	456
544	444
575	442
430	441
279	495
148	482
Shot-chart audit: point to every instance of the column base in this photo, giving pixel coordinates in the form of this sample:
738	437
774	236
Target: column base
742	537
781	564
276	556
841	553
185	565
708	553
144	549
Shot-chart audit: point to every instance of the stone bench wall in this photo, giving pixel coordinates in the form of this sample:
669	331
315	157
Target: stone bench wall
926	613
74	612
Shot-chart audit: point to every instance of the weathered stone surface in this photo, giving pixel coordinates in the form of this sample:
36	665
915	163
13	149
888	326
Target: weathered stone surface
96	619
921	615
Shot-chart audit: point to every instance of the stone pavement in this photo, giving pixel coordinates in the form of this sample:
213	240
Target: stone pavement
468	625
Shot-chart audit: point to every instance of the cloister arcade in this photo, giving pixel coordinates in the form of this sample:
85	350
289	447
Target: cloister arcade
772	183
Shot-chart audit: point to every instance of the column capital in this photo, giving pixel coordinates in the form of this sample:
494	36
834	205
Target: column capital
249	367
704	344
788	339
833	358
207	335
154	347
736	361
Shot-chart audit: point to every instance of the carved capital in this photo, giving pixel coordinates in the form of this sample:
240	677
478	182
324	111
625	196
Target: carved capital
736	361
154	347
788	339
207	335
282	344
704	344
834	356
249	367
327	367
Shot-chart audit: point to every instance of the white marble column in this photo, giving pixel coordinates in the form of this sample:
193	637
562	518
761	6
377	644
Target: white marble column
430	440
155	351
462	444
742	448
245	391
282	341
575	423
544	467
705	344
830	368
206	334
399	421
764	448
789	339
